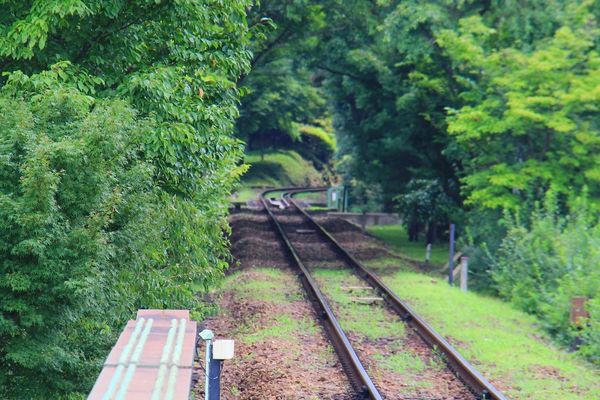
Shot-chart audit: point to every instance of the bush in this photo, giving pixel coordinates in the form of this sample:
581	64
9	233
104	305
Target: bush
425	205
86	237
543	262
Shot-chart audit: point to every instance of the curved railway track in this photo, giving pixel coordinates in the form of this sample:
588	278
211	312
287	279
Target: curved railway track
359	377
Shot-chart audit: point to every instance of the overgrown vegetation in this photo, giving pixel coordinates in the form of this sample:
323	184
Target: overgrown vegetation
544	262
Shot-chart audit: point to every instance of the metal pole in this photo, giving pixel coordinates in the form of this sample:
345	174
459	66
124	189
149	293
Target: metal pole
464	273
215	379
451	261
207	335
345	199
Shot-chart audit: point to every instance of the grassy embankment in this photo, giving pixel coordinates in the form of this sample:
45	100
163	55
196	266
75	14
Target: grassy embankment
396	238
507	345
277	169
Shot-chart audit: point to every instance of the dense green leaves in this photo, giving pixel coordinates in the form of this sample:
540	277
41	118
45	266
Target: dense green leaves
426	205
73	190
281	92
117	158
531	121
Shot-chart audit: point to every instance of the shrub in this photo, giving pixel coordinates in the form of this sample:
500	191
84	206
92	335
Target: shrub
317	142
545	261
425	204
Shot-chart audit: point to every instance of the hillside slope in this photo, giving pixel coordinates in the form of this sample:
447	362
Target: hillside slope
277	169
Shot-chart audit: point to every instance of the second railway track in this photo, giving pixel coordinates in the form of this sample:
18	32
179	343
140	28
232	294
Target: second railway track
456	379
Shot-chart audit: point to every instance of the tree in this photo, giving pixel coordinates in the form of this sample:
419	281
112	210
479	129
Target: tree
425	205
281	92
116	167
530	121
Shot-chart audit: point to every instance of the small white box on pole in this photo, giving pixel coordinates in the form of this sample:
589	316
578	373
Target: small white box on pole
223	349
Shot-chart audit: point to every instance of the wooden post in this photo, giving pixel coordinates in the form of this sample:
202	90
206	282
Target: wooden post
578	311
464	273
451	260
427	253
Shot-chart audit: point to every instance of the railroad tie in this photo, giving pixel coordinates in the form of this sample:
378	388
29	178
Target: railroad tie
366	300
305	231
355	288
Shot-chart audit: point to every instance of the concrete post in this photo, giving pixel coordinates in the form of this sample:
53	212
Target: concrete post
451	255
464	273
428	253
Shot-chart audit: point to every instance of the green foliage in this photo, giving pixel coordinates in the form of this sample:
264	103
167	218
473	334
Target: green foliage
530	121
75	194
282	93
117	163
426	204
317	142
389	86
364	197
321	133
542	264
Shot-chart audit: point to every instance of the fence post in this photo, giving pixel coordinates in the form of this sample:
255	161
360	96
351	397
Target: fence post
464	273
363	221
451	261
428	253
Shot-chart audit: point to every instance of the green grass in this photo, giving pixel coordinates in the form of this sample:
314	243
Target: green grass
402	361
363	319
397	238
279	168
284	327
502	342
266	286
315	197
245	193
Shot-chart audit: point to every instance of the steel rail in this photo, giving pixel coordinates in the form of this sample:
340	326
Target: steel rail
464	370
358	376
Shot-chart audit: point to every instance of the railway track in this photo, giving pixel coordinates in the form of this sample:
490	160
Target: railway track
280	210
